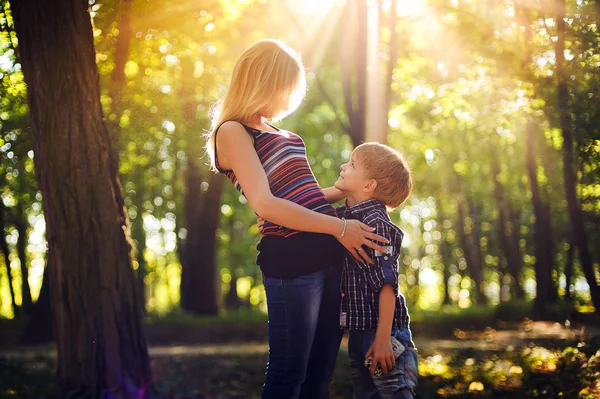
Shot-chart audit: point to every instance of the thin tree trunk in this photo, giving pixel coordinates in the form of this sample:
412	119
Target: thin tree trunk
569	271
21	225
542	228
470	245
100	341
199	286
580	238
507	231
354	53
39	327
138	234
446	252
232	301
6	255
118	78
379	131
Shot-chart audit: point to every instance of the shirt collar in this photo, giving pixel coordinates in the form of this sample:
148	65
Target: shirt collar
365	207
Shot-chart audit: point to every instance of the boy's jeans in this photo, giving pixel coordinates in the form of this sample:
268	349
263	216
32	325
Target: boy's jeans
304	335
399	383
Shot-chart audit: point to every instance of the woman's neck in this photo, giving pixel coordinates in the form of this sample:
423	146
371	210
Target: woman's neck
257	122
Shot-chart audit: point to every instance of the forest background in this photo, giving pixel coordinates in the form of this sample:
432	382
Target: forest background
493	103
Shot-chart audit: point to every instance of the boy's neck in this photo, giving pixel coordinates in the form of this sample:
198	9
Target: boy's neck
356	198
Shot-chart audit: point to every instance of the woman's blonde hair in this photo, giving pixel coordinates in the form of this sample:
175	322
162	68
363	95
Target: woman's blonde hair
267	77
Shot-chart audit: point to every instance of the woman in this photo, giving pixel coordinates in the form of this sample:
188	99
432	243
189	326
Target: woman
300	253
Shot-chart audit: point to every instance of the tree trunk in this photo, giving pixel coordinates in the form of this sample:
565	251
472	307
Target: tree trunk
39	326
542	228
380	130
580	238
543	240
199	285
199	273
507	232
232	301
118	78
6	255
446	252
569	271
467	230
100	341
138	234
354	43
21	225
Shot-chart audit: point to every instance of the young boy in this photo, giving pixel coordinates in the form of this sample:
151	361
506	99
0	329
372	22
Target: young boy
382	355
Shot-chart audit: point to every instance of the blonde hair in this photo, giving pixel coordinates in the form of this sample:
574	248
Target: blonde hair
389	168
268	76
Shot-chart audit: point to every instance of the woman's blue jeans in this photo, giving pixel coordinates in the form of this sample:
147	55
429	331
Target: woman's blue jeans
304	335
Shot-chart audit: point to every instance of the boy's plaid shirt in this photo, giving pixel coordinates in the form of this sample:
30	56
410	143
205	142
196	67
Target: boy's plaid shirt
361	282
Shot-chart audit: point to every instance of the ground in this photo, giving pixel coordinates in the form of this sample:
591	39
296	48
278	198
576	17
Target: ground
227	360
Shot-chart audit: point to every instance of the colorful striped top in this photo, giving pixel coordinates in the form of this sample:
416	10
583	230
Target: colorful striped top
283	157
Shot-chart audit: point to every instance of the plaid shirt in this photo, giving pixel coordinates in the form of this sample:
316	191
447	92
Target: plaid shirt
361	282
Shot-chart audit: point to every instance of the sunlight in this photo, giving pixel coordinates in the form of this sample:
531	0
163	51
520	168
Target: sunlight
407	7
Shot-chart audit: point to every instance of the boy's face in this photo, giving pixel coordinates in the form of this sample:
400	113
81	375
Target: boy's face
353	176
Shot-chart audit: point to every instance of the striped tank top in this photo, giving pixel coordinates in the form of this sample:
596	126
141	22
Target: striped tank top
283	157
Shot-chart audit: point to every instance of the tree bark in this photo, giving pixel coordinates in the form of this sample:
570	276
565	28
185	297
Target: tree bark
570	179
100	342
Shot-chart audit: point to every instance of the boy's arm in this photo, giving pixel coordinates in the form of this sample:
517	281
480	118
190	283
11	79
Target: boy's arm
332	194
381	349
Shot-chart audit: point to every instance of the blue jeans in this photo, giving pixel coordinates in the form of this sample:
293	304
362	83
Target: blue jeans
304	335
399	383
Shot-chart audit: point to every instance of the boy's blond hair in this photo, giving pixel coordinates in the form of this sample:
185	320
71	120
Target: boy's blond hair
267	74
389	168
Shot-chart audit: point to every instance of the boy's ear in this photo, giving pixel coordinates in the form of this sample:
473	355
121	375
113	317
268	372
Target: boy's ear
370	186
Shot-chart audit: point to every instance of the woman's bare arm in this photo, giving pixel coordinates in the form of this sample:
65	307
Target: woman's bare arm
235	145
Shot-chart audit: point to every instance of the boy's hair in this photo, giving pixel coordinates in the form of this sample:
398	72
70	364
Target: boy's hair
267	73
389	168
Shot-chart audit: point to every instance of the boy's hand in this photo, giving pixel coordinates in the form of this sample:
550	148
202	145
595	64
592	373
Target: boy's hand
260	222
383	355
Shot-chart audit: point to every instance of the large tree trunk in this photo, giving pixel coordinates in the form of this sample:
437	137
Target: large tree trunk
100	341
570	179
